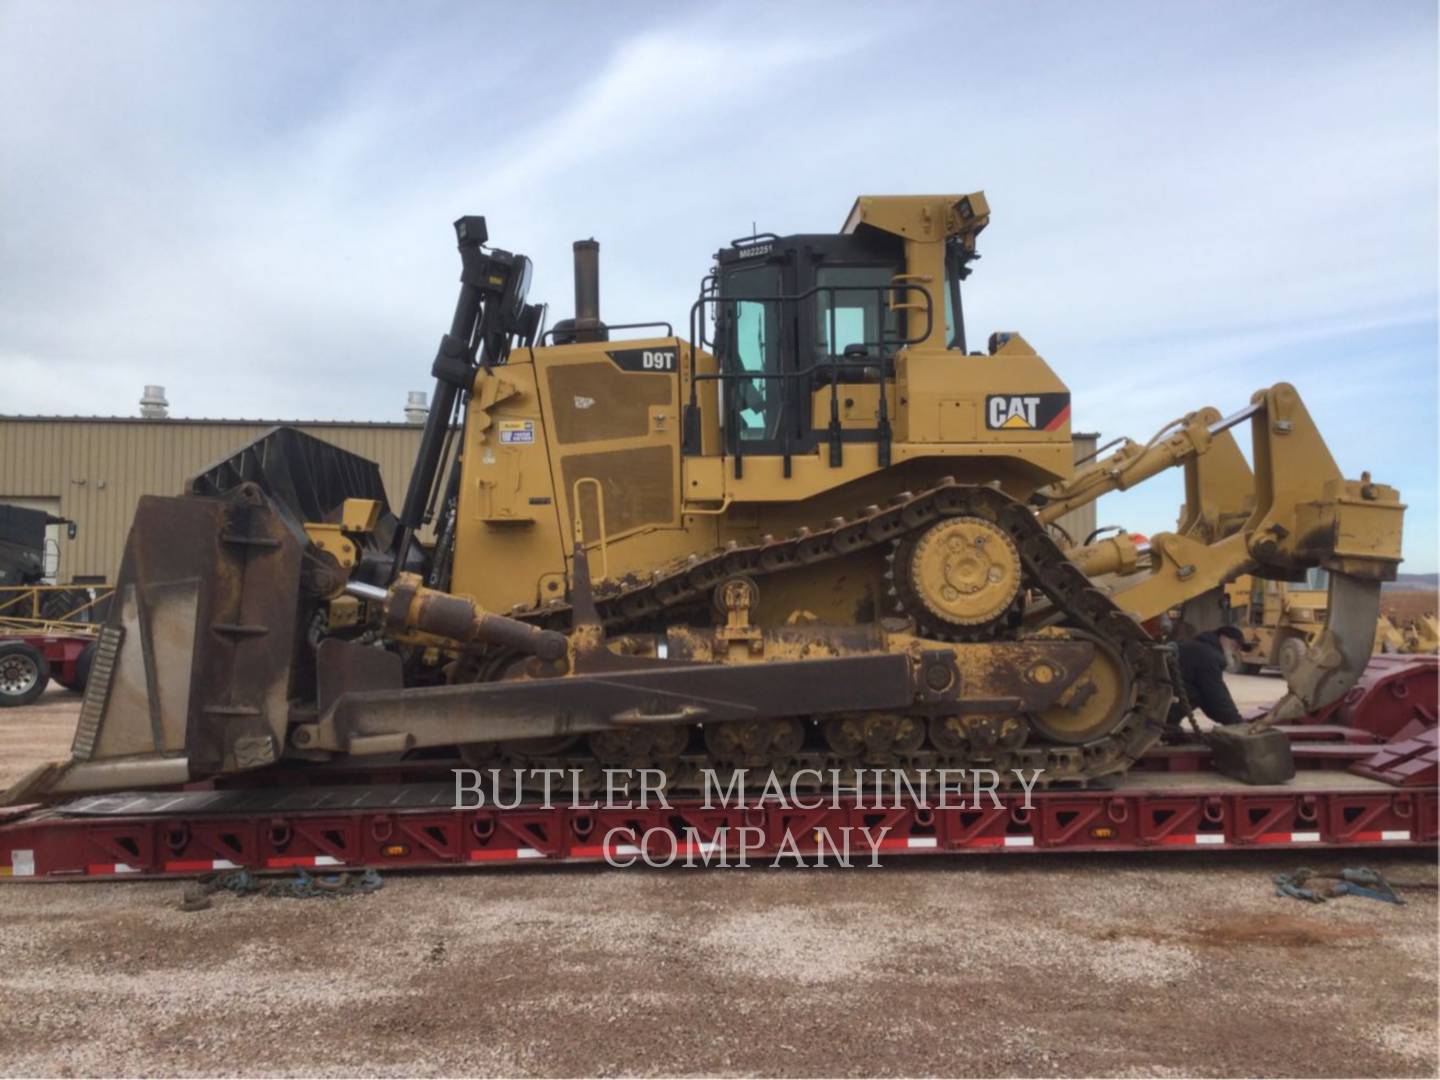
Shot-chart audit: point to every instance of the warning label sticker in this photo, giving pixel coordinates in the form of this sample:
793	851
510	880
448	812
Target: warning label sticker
516	431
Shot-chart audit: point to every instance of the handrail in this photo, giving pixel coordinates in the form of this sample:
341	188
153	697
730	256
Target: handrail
669	330
832	363
790	298
599	517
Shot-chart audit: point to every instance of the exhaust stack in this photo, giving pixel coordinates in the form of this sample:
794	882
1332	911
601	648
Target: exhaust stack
586	325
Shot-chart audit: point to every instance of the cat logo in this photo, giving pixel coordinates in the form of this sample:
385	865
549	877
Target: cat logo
1027	412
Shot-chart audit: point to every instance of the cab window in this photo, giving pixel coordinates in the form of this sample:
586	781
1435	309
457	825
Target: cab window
851	310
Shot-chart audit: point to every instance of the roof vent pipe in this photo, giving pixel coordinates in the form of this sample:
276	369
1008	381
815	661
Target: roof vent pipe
153	405
416	407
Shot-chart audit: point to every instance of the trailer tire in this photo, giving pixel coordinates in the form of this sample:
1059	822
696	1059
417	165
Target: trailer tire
82	670
24	673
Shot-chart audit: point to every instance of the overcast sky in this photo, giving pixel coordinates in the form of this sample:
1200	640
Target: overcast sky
251	203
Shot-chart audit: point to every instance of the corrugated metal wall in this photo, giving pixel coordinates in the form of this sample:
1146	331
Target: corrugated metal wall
99	467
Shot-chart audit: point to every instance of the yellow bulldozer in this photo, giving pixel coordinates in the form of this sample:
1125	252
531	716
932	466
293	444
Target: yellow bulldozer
1281	620
813	531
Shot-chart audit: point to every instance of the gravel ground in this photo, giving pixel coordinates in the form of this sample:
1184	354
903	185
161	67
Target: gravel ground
1162	965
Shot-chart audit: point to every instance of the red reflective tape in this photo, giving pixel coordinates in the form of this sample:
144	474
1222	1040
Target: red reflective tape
986	841
703	847
1195	839
501	854
285	862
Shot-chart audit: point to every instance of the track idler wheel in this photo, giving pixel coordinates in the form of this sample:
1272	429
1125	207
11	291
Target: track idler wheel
1095	703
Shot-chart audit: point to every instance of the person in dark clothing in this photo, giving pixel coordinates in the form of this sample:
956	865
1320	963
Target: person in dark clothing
1203	660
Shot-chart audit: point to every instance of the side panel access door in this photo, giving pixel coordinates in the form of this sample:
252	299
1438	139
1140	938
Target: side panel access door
612	414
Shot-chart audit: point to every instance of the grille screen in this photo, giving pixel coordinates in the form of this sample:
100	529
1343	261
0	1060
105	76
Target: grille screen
599	401
639	487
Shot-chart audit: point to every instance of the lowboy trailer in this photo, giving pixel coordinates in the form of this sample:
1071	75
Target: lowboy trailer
1367	774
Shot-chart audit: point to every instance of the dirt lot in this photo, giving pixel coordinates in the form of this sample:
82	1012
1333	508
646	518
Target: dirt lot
1167	965
1405	604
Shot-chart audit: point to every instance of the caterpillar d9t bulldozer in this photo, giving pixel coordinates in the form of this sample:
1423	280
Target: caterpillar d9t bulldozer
812	531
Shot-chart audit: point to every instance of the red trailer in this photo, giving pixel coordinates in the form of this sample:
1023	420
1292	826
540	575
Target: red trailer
1367	778
28	661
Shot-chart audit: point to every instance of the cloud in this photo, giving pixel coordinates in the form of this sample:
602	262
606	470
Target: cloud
252	205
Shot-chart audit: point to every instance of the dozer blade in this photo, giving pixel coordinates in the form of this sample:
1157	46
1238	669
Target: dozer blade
196	667
1334	661
192	673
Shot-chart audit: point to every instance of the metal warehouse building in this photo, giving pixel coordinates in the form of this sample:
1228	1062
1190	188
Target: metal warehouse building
93	469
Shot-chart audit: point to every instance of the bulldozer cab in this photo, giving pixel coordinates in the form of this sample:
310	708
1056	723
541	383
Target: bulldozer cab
793	316
806	329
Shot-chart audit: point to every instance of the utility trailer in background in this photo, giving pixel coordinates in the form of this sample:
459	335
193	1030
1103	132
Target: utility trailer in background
28	661
1367	777
47	631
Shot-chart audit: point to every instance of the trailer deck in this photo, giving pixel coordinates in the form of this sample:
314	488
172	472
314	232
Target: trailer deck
1367	777
416	826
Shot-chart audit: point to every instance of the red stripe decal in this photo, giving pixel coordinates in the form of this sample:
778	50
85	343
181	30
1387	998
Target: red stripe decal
1061	418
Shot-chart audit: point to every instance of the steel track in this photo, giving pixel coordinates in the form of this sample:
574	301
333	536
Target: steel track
635	599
